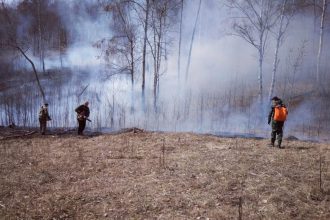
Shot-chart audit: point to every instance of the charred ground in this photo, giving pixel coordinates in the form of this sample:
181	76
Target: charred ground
143	175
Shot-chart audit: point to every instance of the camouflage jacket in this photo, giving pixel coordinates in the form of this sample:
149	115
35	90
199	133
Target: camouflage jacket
43	113
82	112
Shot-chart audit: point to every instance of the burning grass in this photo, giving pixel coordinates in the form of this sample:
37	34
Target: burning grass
162	175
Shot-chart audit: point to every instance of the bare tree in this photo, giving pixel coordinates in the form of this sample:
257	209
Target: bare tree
146	23
121	49
40	41
34	70
192	39
180	39
158	16
161	14
42	28
256	18
13	42
320	50
285	17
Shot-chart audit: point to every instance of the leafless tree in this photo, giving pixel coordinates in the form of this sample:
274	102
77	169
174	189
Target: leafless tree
254	20
320	50
144	52
192	39
121	49
40	41
180	40
13	42
286	14
162	11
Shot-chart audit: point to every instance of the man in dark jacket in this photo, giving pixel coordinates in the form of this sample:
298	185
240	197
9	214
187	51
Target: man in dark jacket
277	121
43	118
82	116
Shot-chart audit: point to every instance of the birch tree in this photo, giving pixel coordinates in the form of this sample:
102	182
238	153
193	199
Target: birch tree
285	17
144	52
255	19
320	50
192	40
180	39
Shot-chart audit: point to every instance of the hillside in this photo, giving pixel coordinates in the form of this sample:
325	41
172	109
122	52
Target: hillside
148	175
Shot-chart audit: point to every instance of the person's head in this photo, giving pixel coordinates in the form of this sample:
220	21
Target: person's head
46	104
86	103
276	100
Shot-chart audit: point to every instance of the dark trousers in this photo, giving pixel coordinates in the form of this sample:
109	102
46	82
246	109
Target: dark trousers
43	125
82	125
277	129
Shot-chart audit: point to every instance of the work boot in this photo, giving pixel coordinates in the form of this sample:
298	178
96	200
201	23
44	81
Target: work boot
272	141
279	145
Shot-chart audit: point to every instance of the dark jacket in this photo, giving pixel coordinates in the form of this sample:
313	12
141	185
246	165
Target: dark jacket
272	111
82	111
43	114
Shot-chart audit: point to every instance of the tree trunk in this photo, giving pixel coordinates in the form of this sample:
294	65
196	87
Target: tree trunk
276	61
192	40
144	53
319	54
132	74
60	47
40	43
261	57
35	73
180	38
155	69
260	76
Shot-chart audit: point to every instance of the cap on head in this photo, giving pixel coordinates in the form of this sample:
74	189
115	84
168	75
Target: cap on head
46	104
275	98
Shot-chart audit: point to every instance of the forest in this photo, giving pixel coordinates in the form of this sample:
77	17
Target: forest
208	66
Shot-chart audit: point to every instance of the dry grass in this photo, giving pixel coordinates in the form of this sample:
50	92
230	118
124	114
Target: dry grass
132	176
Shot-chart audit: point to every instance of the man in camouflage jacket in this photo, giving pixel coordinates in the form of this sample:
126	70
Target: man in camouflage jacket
277	126
82	115
43	118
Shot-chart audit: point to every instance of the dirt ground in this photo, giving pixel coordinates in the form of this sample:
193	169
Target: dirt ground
149	175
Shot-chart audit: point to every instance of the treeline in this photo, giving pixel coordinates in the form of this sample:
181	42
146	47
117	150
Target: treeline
140	38
33	26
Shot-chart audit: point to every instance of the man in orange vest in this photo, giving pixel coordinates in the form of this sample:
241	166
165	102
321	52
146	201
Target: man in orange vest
277	117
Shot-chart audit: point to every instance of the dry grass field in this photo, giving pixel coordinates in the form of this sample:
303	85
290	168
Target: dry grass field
151	175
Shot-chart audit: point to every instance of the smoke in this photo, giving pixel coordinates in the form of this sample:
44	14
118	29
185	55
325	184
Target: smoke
220	94
86	23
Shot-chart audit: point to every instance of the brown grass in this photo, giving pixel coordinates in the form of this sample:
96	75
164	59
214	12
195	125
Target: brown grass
132	176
